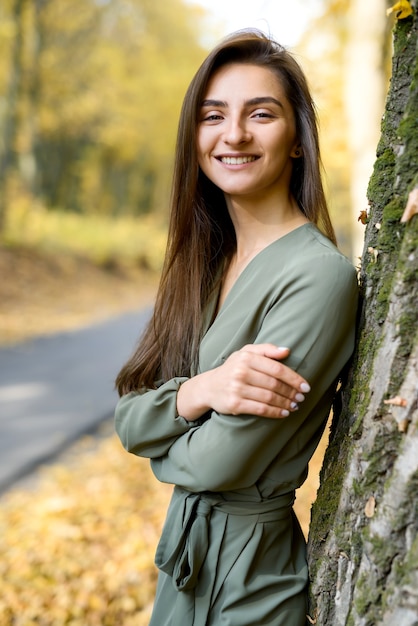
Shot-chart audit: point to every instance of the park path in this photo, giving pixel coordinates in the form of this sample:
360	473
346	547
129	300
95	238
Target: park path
56	388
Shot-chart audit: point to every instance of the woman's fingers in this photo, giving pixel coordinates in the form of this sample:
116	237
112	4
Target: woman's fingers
256	382
263	358
258	401
251	407
250	381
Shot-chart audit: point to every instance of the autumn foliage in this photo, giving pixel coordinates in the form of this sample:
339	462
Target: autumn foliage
78	547
91	93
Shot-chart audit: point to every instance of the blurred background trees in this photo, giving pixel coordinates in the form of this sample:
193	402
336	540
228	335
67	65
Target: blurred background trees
90	99
347	56
90	93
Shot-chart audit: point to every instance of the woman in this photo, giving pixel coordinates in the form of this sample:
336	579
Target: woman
205	395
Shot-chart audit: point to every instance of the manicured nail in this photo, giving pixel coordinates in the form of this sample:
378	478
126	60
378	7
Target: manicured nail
299	397
285	413
293	405
305	387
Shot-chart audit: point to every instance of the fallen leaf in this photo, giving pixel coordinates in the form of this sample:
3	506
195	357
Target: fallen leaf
95	561
363	217
373	252
411	206
312	620
402	9
403	425
396	401
370	507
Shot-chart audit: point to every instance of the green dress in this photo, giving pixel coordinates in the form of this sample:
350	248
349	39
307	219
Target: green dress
232	552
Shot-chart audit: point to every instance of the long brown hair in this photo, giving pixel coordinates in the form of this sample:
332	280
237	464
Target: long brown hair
201	235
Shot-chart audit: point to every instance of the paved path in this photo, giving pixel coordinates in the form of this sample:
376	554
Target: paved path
54	389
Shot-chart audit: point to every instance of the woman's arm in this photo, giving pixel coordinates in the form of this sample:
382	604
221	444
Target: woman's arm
317	316
149	422
251	381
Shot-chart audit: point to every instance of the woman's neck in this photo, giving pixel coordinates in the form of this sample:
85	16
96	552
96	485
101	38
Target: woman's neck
259	224
255	229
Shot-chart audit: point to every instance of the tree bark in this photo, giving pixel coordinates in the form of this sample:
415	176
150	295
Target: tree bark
363	544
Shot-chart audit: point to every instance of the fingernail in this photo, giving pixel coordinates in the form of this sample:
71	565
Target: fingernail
305	387
294	406
285	413
282	348
299	397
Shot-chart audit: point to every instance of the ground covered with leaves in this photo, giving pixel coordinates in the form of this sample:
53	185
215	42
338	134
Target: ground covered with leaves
77	544
44	292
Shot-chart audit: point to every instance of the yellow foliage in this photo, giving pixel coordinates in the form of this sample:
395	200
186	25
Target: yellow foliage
100	86
103	239
402	9
79	548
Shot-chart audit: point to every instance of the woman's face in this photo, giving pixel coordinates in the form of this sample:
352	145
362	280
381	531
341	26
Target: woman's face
246	133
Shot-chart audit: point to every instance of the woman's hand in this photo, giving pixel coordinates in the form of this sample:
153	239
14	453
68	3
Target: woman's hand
252	381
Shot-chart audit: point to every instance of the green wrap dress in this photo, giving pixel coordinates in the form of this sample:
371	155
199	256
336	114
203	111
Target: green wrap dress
232	552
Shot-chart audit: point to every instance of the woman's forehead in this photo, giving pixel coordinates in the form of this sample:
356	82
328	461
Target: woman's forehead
245	80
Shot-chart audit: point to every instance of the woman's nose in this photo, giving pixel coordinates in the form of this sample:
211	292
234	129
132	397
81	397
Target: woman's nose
236	132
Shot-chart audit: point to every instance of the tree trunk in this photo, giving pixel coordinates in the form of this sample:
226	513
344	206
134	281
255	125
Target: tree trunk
10	121
31	94
363	544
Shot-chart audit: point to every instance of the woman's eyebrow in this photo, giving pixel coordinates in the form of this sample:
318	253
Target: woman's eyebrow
264	100
214	103
252	102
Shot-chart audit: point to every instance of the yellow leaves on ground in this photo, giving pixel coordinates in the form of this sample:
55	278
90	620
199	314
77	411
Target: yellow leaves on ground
78	548
402	9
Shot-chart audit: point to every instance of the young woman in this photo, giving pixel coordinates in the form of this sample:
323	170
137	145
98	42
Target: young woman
251	265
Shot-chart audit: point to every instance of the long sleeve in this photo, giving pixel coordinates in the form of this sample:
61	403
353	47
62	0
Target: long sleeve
148	423
316	319
300	293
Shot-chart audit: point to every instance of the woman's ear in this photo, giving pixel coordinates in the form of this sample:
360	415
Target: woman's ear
297	152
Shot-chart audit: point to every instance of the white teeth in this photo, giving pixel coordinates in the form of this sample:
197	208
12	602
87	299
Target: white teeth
237	160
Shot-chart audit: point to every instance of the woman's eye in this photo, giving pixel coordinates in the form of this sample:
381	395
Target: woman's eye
262	114
212	117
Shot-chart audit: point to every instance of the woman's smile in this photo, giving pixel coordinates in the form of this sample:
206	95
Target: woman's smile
236	160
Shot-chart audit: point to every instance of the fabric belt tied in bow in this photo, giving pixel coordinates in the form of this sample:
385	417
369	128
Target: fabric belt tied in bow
184	541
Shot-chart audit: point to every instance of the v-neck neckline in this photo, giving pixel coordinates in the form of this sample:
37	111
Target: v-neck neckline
215	312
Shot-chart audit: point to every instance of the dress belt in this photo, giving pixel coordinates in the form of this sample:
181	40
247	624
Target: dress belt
184	541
